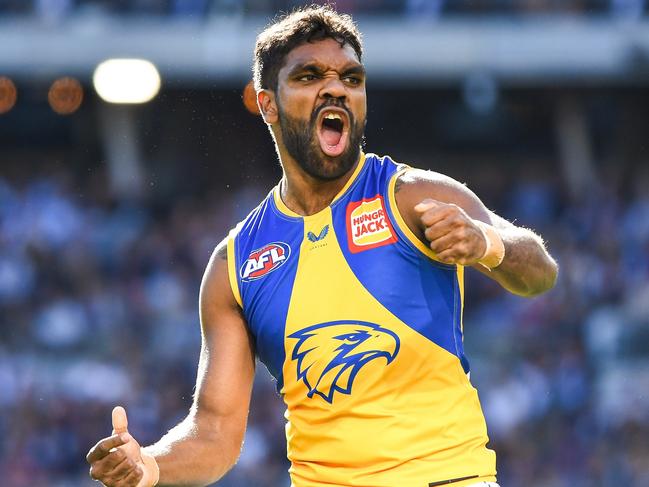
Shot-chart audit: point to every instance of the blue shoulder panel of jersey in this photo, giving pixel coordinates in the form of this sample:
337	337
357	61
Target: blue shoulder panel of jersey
267	249
422	293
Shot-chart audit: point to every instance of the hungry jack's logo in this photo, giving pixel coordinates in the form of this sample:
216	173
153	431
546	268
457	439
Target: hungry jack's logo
368	225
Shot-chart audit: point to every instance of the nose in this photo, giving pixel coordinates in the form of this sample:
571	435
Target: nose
334	88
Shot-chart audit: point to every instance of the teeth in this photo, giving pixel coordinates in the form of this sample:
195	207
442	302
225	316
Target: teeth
333	116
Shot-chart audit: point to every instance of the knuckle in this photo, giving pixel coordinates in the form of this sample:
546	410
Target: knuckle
122	471
134	477
98	471
452	256
458	221
99	474
461	233
437	245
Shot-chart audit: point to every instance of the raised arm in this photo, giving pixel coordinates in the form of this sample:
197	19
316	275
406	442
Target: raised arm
207	443
444	214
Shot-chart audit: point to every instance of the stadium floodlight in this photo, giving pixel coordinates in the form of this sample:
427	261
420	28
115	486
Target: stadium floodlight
8	94
65	95
127	81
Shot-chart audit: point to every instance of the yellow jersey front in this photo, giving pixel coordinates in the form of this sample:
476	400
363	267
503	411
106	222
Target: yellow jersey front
362	329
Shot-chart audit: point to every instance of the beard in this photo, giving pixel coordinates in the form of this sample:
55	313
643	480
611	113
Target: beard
302	144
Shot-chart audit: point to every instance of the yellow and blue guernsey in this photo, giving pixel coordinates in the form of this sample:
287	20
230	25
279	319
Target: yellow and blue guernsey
362	329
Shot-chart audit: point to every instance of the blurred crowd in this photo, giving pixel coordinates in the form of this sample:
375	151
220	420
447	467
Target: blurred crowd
563	378
98	306
429	8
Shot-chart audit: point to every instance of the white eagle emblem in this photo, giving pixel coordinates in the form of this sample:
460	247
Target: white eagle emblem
329	355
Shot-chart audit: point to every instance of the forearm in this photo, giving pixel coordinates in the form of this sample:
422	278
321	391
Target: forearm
195	452
527	269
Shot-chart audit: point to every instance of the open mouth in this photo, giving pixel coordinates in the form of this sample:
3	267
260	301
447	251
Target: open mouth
333	131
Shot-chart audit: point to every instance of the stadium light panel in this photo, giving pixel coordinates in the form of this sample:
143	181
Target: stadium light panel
127	81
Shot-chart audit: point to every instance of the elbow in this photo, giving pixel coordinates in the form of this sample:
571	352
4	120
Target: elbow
214	473
228	452
546	280
220	443
232	455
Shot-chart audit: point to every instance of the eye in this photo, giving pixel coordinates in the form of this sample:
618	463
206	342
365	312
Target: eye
306	77
351	337
352	80
347	337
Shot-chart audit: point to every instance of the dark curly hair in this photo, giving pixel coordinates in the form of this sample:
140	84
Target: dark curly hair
288	31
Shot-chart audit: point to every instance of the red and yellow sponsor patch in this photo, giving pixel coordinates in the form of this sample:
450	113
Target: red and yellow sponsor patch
368	225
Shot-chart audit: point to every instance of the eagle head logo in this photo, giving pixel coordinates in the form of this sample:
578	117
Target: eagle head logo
329	355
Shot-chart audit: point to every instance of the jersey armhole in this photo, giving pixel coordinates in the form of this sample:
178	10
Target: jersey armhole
232	269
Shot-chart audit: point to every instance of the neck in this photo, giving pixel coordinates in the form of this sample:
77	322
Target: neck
306	195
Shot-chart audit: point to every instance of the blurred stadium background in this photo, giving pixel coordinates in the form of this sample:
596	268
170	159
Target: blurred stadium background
109	212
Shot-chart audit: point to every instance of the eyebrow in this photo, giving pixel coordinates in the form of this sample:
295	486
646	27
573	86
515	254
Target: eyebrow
315	68
355	69
307	67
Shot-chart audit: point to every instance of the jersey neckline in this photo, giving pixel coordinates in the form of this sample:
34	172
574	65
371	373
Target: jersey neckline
285	210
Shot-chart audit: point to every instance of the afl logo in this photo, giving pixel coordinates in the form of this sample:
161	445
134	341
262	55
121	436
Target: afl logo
262	261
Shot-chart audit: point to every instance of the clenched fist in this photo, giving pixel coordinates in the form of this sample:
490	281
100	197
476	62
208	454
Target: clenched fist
454	236
118	461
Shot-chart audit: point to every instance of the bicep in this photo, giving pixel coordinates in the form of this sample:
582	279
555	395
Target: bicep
227	362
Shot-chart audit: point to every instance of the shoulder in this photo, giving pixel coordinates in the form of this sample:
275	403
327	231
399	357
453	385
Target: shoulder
221	250
414	185
216	290
217	267
414	177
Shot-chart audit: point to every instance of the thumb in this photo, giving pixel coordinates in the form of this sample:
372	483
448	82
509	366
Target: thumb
427	204
120	421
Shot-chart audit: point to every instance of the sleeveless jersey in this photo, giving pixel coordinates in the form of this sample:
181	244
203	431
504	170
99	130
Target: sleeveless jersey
362	329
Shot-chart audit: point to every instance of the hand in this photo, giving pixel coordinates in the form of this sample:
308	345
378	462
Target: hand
118	461
453	235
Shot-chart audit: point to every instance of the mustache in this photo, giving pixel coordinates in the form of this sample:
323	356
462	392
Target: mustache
332	102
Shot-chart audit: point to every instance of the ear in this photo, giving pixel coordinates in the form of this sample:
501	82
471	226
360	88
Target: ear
268	106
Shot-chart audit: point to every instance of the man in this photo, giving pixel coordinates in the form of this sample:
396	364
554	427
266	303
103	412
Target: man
347	282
